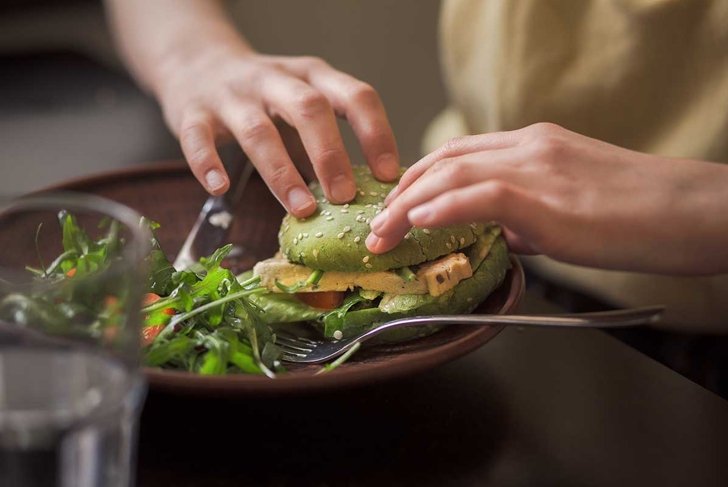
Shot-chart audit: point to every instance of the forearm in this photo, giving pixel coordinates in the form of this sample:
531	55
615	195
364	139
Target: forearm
156	37
700	221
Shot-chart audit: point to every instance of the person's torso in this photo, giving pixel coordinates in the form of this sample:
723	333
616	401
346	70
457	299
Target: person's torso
650	75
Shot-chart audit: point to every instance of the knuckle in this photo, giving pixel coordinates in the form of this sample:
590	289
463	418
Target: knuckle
279	177
314	61
398	209
545	129
193	141
378	139
199	154
255	129
453	145
448	171
191	134
408	178
547	142
329	158
547	149
498	191
364	94
200	157
229	90
310	103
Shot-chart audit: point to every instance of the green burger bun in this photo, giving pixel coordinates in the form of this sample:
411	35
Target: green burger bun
332	239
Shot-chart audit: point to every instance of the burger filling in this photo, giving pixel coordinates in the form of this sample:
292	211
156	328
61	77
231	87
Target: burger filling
327	289
342	304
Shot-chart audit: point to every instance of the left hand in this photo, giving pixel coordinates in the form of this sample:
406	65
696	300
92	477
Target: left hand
571	197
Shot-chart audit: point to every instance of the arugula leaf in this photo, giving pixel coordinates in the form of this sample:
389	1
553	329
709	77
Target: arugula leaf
74	238
167	351
400	303
344	357
312	280
406	274
334	320
160	268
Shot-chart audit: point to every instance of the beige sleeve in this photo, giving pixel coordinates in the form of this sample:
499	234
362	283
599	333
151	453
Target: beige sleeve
650	75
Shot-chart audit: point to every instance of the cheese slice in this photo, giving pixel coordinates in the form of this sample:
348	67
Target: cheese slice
445	273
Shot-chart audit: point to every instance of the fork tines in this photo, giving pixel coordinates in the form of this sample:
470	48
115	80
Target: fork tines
294	346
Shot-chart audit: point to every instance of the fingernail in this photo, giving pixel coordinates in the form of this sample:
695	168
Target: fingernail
388	167
419	215
371	242
391	195
214	179
300	200
342	189
379	220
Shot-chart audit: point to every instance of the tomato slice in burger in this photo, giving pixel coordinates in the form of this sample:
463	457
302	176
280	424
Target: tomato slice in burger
322	300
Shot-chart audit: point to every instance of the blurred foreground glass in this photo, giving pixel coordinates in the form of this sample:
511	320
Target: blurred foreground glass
71	279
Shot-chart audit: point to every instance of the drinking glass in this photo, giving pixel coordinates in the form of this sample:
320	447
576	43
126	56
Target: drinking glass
72	273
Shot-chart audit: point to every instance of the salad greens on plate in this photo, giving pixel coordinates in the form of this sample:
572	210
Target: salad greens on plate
204	319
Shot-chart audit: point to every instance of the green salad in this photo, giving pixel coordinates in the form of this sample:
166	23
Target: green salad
200	320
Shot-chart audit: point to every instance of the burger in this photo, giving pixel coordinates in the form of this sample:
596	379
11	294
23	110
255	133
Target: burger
324	273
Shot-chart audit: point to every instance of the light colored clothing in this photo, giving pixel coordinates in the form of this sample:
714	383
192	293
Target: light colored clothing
649	75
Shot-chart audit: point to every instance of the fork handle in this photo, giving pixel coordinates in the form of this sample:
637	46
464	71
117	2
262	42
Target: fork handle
319	352
602	319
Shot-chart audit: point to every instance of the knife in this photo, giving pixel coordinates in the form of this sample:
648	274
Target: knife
211	228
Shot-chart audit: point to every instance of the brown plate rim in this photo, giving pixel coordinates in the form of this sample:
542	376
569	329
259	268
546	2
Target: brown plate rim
394	367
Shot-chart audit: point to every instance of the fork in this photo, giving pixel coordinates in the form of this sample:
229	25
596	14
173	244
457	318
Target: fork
303	350
213	223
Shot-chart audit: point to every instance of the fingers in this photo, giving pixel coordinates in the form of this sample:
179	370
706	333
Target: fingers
455	147
393	223
513	207
360	104
309	112
259	138
518	244
198	146
448	174
307	94
485	201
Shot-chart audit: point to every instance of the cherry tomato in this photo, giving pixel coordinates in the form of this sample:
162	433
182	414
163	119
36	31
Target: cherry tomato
322	300
150	298
149	333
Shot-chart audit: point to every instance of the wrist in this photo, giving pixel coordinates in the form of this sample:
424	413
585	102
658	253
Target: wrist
701	206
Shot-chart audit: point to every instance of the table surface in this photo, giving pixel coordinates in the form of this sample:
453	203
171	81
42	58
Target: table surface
531	407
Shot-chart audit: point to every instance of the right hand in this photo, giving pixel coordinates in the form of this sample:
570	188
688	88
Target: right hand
570	197
221	93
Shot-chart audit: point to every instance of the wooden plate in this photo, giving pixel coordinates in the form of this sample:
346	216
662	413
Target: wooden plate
167	193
